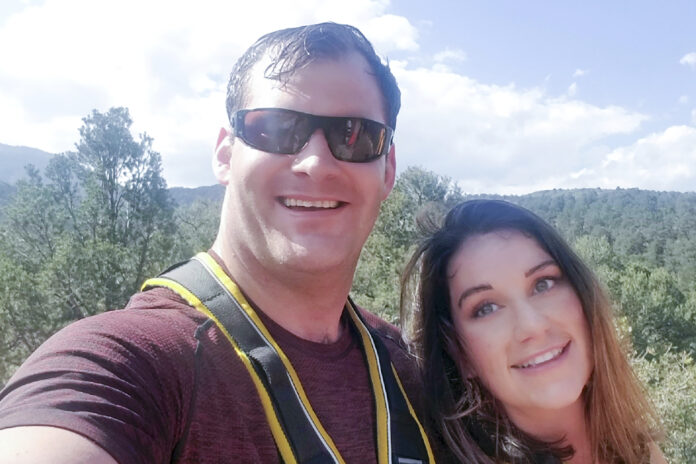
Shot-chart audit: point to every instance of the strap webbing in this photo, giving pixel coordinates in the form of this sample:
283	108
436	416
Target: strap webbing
296	429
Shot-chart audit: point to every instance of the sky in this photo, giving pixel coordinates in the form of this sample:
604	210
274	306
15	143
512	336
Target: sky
504	96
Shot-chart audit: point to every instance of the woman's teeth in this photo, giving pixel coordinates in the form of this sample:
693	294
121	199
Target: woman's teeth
542	358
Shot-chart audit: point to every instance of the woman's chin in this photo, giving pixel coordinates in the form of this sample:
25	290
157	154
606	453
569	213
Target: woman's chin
547	404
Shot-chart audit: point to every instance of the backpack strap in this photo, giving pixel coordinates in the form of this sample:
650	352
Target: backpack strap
406	440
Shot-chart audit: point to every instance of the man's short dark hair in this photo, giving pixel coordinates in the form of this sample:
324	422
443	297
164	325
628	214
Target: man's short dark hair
294	48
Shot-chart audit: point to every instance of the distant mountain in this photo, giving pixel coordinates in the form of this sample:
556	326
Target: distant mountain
185	196
13	159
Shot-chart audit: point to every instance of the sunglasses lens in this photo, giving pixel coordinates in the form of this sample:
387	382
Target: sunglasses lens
357	140
282	132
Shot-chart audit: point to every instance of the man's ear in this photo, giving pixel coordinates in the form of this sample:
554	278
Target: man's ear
221	158
389	172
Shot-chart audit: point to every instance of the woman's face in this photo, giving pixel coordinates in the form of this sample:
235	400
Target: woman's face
522	325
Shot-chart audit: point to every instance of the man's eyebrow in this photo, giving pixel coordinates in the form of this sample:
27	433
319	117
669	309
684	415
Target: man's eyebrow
470	291
548	262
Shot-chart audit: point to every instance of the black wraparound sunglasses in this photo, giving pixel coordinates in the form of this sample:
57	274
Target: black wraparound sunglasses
286	132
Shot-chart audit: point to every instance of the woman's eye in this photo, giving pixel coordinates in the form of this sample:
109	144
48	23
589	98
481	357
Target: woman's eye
485	309
544	285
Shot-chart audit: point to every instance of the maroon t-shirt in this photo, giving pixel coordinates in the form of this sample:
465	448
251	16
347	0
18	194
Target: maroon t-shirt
125	379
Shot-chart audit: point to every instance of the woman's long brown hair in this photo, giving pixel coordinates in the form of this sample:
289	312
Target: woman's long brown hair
620	419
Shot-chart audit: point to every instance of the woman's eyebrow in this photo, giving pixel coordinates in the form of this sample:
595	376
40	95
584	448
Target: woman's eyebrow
548	262
470	291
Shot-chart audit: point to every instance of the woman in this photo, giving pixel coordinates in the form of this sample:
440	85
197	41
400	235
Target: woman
521	359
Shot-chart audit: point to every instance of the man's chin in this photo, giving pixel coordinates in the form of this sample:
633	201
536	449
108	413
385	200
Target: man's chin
318	258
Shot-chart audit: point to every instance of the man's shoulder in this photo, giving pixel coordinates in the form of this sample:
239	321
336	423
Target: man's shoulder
159	298
155	321
161	308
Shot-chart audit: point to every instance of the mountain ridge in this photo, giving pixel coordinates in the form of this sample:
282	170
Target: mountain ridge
13	160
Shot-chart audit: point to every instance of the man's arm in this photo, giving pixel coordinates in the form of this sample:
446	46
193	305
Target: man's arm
39	445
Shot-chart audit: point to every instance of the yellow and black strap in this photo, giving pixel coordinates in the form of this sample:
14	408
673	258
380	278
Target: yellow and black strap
296	429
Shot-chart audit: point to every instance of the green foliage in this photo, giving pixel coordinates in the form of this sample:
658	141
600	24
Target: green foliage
658	311
81	239
6	191
599	255
197	226
658	315
670	381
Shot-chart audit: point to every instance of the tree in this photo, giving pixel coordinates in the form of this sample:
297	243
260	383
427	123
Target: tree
82	238
197	226
670	381
376	282
659	314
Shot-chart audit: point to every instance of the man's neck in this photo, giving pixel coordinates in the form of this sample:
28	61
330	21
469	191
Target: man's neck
306	305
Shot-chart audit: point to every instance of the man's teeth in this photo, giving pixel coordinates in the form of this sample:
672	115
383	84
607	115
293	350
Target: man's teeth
542	358
292	202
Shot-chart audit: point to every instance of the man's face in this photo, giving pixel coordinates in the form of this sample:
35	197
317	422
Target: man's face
306	212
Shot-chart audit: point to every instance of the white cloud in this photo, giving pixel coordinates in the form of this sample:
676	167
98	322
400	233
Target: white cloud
683	99
19	127
579	73
390	32
500	138
661	161
449	55
689	60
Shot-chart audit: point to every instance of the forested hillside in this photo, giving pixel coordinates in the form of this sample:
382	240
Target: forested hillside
657	228
79	237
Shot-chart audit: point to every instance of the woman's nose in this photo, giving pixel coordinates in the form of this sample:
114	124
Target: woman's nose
531	320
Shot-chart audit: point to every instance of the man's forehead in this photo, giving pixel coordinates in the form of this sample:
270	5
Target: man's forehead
343	85
265	77
264	81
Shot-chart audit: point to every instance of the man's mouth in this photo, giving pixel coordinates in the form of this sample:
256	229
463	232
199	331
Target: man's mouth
543	358
310	204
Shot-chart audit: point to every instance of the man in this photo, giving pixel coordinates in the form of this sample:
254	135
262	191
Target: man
307	161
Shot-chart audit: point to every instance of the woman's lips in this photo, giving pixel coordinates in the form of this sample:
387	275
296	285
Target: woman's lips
543	358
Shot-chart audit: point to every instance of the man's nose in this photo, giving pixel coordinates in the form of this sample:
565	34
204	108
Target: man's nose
530	320
315	159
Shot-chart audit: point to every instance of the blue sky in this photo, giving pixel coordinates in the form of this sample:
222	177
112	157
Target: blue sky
502	96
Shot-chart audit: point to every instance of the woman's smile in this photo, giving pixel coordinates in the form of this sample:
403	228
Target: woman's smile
547	358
